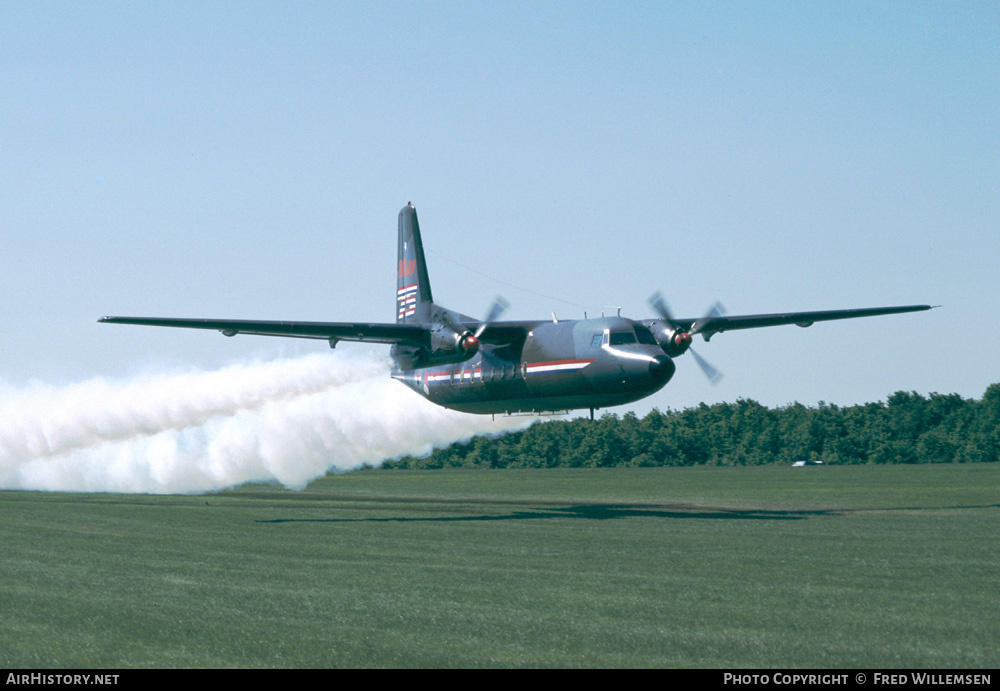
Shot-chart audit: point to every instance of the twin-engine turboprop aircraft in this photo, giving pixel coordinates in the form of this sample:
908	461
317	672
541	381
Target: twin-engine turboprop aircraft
489	366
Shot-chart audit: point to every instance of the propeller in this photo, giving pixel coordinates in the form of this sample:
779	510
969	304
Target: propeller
678	340
467	340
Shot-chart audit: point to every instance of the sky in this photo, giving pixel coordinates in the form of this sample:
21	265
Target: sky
248	160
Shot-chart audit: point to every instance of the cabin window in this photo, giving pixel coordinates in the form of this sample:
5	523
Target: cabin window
595	342
622	337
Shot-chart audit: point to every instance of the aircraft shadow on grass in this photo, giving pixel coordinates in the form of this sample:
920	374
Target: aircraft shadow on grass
604	512
593	512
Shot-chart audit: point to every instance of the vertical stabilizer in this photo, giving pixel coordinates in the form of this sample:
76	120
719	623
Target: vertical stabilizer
412	285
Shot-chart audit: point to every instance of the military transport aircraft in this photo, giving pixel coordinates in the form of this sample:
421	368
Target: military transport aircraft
489	366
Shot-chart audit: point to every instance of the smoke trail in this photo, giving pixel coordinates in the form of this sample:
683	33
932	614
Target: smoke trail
288	420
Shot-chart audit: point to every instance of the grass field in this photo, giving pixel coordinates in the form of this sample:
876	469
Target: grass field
860	566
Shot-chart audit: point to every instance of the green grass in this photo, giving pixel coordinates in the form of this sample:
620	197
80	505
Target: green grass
850	566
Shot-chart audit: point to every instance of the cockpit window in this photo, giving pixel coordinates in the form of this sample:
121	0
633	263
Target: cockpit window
645	335
596	341
622	337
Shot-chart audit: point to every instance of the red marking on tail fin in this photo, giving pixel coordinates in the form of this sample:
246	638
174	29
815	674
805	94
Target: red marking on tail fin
406	268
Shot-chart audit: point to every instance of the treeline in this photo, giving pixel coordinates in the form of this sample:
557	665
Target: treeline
907	428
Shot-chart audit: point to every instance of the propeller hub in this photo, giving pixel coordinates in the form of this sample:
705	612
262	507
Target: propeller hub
470	344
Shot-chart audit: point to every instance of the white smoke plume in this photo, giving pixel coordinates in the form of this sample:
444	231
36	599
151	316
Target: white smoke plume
288	420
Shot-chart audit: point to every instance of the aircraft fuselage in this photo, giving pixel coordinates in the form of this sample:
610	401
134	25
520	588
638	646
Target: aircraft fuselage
589	363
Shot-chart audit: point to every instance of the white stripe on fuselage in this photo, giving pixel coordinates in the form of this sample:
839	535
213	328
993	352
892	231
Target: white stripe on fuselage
616	352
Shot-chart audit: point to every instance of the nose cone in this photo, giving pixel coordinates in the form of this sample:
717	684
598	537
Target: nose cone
661	369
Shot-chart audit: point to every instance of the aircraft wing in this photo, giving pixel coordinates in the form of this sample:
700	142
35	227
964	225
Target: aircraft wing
406	334
711	325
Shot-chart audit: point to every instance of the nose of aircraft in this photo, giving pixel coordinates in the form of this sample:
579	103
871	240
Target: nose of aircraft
662	368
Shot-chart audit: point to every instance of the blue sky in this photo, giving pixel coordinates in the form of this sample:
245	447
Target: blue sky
248	160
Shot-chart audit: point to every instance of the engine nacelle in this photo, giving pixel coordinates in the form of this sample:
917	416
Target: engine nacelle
447	347
673	341
446	340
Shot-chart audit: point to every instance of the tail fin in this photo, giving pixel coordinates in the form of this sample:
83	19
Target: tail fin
412	285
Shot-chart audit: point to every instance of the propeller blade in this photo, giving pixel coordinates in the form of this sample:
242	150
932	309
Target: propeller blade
714	375
657	302
716	310
498	307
